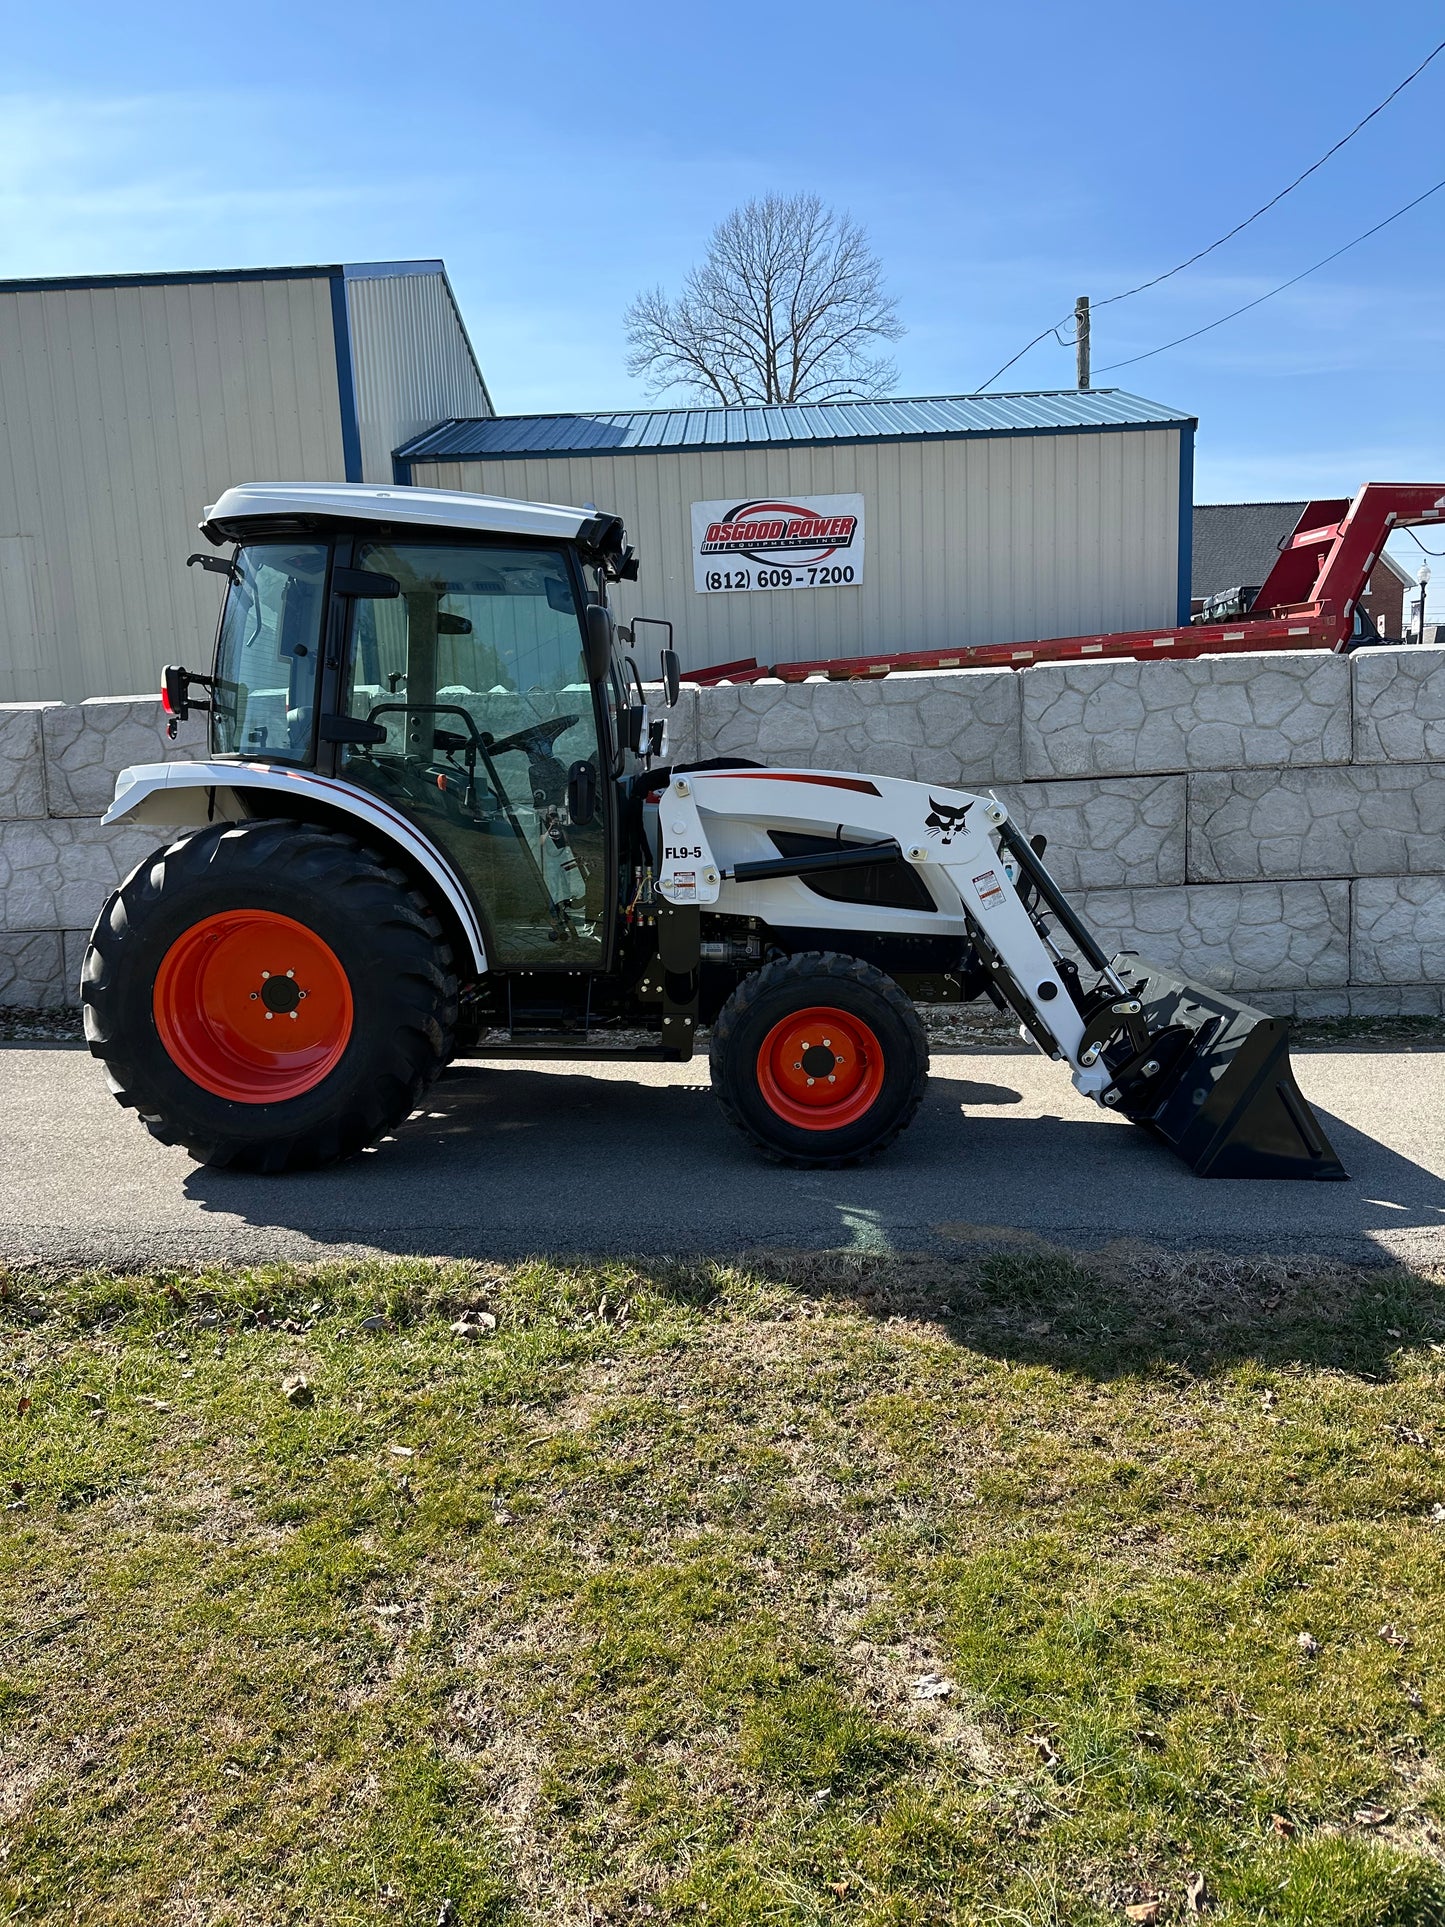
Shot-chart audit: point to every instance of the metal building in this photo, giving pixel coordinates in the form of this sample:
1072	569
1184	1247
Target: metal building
128	402
919	524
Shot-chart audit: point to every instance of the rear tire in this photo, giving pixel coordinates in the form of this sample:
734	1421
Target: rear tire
271	995
819	1060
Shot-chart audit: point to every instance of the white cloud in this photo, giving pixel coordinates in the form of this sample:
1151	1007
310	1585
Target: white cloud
92	186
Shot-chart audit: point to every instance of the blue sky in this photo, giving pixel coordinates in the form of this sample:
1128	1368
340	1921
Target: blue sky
1003	160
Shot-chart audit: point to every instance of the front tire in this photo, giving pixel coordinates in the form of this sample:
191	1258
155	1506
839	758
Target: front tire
819	1060
271	995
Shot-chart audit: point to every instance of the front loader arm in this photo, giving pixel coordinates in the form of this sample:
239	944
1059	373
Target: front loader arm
1208	1074
956	840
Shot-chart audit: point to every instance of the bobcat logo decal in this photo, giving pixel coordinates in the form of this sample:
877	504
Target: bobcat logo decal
944	821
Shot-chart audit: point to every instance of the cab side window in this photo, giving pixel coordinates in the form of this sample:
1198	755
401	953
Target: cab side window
475	672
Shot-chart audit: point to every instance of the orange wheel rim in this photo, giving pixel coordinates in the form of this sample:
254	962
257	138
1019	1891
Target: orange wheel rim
820	1069
252	1006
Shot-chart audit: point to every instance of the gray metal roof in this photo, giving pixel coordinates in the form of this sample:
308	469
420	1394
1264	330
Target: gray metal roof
1236	544
921	418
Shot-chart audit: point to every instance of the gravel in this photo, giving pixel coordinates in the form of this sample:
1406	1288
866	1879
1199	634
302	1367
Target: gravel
21	1026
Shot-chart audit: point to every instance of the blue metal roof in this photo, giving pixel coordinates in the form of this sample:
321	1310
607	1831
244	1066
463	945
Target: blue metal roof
922	418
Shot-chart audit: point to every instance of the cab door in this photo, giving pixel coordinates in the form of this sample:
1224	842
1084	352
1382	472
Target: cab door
485	730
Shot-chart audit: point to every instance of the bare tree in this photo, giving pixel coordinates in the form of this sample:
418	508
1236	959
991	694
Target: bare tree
788	305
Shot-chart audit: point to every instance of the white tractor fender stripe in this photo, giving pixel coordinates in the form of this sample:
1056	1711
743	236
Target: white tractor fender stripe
137	785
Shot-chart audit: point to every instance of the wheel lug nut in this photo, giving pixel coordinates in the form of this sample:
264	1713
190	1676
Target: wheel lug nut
832	1080
264	975
269	1015
292	1016
290	973
810	1083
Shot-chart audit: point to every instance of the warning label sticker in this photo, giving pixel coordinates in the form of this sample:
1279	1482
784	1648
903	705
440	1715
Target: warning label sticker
683	883
990	890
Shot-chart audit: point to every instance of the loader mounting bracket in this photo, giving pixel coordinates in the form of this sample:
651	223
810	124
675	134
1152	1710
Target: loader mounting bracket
679	956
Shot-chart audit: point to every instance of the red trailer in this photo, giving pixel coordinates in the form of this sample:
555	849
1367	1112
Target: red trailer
1307	601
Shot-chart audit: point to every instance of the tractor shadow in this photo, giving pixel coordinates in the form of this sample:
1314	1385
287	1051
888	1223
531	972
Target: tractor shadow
1048	1236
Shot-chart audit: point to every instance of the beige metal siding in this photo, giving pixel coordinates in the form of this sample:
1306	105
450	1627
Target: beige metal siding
123	412
21	644
1010	537
411	363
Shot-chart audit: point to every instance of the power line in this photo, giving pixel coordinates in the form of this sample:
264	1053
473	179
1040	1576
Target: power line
1194	333
1239	228
1313	168
1020	355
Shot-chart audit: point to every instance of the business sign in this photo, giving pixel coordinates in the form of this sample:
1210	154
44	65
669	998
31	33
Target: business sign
783	542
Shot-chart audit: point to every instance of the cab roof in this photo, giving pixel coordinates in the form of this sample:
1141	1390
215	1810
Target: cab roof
429	508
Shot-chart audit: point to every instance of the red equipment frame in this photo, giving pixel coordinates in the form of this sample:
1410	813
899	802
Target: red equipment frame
1307	601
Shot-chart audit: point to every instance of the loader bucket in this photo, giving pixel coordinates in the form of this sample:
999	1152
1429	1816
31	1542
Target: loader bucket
1230	1107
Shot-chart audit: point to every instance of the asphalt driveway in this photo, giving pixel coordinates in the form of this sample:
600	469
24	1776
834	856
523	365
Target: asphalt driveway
581	1158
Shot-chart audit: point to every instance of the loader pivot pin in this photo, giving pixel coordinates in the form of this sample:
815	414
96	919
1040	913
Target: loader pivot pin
820	1068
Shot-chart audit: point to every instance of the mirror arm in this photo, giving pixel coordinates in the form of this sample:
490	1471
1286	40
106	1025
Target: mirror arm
671	669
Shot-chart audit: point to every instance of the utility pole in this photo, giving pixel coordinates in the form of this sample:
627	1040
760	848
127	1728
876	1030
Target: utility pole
1081	338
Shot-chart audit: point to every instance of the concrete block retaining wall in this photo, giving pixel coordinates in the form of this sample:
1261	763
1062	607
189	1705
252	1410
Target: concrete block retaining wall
58	765
1272	823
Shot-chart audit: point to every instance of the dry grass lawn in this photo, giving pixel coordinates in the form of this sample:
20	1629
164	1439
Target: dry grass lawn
849	1591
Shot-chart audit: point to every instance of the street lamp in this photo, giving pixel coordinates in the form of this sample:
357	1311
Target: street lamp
1422	578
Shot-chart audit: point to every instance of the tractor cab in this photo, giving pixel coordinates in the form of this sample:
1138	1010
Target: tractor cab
469	677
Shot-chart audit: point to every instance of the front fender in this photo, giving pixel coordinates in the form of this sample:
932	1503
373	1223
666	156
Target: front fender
187	793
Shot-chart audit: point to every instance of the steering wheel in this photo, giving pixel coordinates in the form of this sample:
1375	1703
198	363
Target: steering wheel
535	740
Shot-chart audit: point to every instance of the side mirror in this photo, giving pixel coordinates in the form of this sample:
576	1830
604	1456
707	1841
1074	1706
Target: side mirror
581	793
600	630
671	676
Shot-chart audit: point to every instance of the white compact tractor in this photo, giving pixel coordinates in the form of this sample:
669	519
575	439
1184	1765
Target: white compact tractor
438	817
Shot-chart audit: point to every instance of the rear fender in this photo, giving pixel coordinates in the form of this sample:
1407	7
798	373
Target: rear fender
187	793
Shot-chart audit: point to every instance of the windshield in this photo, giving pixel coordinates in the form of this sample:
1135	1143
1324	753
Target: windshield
270	644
